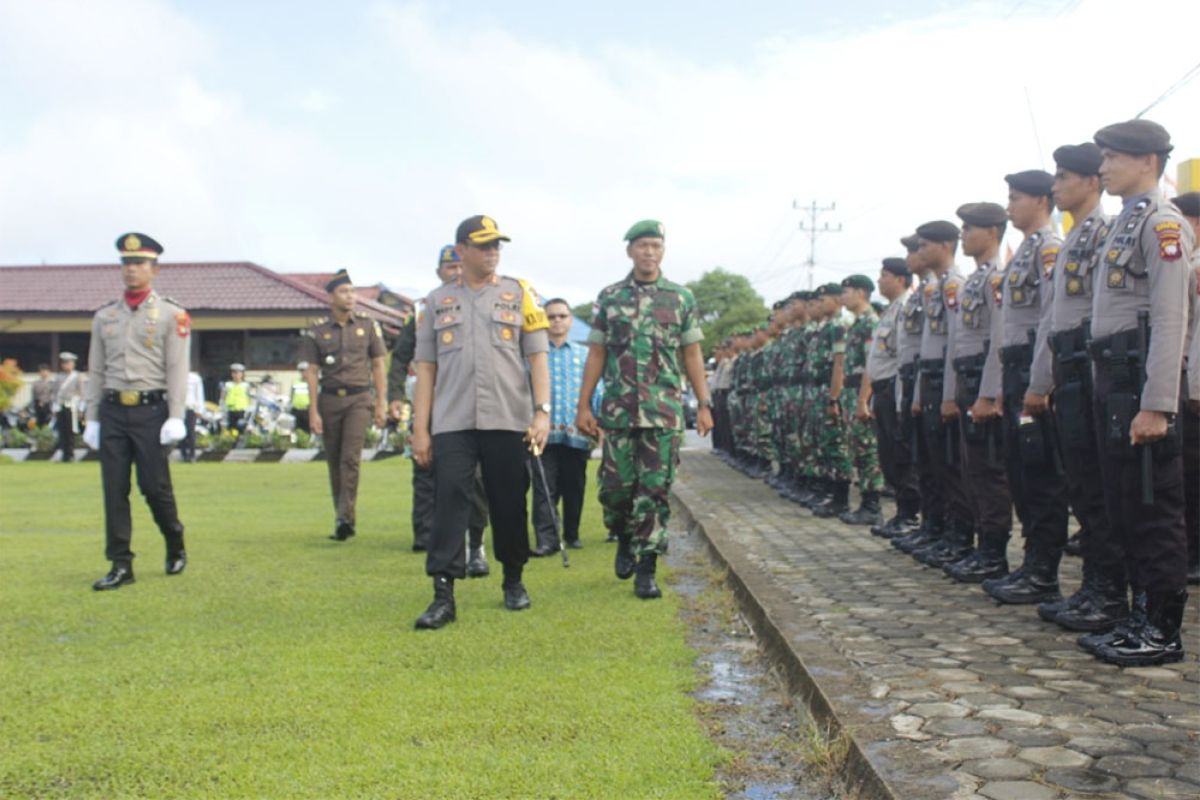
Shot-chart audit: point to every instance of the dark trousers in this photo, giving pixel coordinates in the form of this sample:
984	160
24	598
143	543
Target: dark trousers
301	415
345	421
566	478
1153	535
721	437
1191	482
424	486
65	425
1035	480
983	475
236	420
501	456
895	456
129	436
43	413
187	447
1103	552
942	451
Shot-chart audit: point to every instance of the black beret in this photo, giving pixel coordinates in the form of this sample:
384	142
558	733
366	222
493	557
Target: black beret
896	266
339	278
1188	203
938	231
911	242
1082	159
778	304
859	282
982	215
1137	137
1036	182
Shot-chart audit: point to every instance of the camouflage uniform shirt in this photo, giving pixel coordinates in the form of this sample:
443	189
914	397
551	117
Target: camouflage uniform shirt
642	328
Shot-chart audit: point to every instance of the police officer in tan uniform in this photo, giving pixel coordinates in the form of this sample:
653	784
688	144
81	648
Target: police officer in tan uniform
1139	326
345	353
69	399
472	407
137	390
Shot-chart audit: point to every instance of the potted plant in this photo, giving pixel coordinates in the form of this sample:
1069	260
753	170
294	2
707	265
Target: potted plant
277	444
218	446
42	440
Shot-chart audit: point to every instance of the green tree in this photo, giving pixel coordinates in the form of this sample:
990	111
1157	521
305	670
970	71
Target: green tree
583	311
726	302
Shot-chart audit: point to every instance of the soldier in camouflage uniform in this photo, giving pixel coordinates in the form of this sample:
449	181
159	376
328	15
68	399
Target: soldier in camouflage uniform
776	394
833	459
793	362
812	486
641	327
861	442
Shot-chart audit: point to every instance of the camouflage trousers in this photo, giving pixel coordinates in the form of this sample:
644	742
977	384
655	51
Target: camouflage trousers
833	459
792	408
806	441
760	416
861	444
635	479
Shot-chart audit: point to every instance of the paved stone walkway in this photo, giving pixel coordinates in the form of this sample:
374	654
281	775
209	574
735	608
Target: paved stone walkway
944	693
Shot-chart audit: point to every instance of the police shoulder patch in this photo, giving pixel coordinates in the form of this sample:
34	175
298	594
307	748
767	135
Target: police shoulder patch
1169	246
1049	255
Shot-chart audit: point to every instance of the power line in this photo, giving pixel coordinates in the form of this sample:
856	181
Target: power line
1179	84
813	231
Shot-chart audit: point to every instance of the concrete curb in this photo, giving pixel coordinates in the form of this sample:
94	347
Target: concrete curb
235	456
878	765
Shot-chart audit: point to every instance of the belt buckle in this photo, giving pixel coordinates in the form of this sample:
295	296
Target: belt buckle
129	398
341	392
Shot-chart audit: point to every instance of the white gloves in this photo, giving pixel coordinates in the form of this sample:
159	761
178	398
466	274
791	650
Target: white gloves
172	431
91	435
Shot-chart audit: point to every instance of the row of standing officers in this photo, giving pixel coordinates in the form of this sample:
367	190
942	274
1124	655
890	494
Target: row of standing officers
1057	382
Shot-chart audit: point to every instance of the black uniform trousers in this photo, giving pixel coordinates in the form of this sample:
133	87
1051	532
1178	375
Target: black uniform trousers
1191	482
984	480
721	437
424	486
566	479
129	436
941	449
187	447
1153	535
895	454
1103	552
501	456
912	433
65	426
1035	479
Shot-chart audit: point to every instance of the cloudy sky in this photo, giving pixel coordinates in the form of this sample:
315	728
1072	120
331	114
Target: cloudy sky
307	136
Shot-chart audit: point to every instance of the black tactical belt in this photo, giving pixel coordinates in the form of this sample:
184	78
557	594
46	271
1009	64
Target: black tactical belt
1016	354
883	385
1121	346
1067	344
129	397
969	364
853	376
343	391
931	365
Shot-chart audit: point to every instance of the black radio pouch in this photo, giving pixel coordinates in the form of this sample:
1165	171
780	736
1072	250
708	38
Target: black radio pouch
1074	416
1031	438
1119	411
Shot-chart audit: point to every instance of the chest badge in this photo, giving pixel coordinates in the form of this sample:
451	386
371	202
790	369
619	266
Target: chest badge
506	334
359	332
1116	278
1074	287
327	336
447	337
1018	295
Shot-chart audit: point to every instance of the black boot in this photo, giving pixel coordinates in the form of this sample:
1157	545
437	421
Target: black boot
819	490
989	561
1038	583
176	552
1101	608
868	512
625	561
441	611
1050	610
929	531
477	565
118	576
1156	640
515	596
955	545
1074	546
343	531
1091	642
805	488
838	502
644	585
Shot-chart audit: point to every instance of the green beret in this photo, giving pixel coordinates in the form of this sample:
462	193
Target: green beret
1136	137
911	243
1188	204
859	282
938	231
1034	182
982	215
647	227
1082	159
830	290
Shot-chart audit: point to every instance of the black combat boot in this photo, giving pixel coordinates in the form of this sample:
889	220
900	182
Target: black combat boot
955	545
837	503
989	561
625	561
1156	641
515	596
868	512
176	553
1074	545
928	533
441	610
1091	642
1050	610
644	585
1101	608
477	564
1038	583
806	488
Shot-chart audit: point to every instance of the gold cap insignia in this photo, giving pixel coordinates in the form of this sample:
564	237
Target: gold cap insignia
132	242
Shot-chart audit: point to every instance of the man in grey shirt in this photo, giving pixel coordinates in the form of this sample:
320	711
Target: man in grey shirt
473	339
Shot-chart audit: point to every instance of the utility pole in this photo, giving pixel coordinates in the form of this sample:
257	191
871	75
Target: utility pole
813	230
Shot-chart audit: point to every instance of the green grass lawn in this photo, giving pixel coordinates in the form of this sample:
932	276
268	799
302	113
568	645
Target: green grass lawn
285	665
